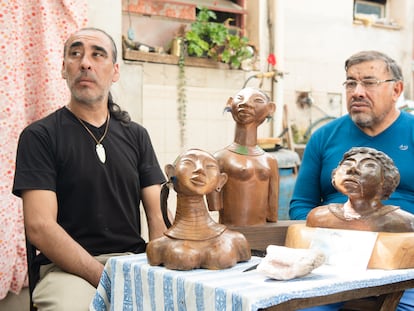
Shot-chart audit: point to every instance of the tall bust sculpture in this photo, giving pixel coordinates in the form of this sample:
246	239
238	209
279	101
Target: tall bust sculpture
195	240
250	196
367	176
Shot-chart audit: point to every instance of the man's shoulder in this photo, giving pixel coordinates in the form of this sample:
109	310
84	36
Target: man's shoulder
136	126
407	117
46	121
339	121
132	127
331	126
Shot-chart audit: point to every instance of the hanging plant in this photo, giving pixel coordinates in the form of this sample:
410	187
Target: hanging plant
182	97
207	38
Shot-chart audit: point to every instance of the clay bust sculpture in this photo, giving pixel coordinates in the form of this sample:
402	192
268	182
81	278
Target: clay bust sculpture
195	240
366	176
250	196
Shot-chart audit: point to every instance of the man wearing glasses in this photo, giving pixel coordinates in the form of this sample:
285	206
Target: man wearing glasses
373	85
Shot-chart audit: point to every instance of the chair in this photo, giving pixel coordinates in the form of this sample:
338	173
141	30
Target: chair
32	270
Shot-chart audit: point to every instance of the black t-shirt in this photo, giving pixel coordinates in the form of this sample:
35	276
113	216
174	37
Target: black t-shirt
98	204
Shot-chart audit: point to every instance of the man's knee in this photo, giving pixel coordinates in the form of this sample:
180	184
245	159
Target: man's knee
59	290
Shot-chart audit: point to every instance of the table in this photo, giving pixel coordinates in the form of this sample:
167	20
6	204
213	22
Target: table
130	283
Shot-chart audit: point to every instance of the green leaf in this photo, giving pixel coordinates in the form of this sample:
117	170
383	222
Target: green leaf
212	39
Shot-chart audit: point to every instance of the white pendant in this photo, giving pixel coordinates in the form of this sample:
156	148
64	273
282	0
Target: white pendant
100	151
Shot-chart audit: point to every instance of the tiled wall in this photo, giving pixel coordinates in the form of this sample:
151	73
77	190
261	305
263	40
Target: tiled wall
207	127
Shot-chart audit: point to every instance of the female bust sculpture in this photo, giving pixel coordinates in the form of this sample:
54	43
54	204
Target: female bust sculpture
366	176
250	196
195	240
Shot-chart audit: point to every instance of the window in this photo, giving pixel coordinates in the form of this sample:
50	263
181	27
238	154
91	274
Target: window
371	8
378	13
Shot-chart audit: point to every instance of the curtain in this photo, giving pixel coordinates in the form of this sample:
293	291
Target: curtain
32	34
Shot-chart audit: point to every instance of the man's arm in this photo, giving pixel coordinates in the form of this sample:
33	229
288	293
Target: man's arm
40	219
307	192
152	207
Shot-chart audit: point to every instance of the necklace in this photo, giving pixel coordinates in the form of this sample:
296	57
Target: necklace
100	150
245	150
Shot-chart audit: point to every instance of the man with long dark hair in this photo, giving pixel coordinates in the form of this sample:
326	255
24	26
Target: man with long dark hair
82	173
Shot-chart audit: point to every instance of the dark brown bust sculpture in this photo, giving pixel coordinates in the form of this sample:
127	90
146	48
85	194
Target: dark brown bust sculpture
366	176
250	196
195	240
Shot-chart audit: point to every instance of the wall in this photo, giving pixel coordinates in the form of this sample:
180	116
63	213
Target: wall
314	38
207	93
320	34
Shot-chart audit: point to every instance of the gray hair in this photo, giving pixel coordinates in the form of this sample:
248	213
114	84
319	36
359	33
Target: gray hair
366	56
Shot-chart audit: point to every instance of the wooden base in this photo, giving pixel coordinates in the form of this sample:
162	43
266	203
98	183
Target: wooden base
391	250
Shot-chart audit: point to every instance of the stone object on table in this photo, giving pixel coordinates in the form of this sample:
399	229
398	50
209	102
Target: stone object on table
285	263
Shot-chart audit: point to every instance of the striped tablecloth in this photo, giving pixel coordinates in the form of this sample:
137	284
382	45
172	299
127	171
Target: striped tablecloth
130	283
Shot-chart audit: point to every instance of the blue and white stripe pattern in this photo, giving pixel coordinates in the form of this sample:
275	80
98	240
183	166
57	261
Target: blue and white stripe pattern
130	283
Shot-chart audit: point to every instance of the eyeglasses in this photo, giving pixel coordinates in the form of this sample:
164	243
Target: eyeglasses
368	84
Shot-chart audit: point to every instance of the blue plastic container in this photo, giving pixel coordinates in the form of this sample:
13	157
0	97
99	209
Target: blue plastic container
287	183
288	162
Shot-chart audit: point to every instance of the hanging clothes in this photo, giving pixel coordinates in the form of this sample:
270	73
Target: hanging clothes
32	34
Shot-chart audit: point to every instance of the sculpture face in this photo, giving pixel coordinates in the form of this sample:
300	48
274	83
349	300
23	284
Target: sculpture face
197	173
250	105
359	176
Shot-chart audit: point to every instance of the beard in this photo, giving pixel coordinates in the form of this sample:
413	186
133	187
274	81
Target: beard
368	120
87	95
87	98
364	120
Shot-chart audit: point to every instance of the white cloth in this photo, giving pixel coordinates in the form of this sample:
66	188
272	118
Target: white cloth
130	283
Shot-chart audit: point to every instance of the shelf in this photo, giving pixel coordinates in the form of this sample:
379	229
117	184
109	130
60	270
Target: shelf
134	55
376	25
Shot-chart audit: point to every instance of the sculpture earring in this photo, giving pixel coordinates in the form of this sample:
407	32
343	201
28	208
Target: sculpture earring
218	189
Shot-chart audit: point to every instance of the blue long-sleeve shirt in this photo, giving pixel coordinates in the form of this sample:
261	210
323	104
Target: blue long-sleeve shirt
325	150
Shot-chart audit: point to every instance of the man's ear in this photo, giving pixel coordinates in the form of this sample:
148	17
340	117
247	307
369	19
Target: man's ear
116	73
63	71
169	171
397	90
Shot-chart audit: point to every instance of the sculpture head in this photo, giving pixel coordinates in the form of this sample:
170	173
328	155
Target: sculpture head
366	173
250	105
195	172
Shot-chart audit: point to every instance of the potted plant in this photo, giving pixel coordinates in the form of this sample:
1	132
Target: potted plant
207	38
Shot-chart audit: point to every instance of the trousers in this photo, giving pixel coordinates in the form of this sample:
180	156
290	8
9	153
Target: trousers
58	290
